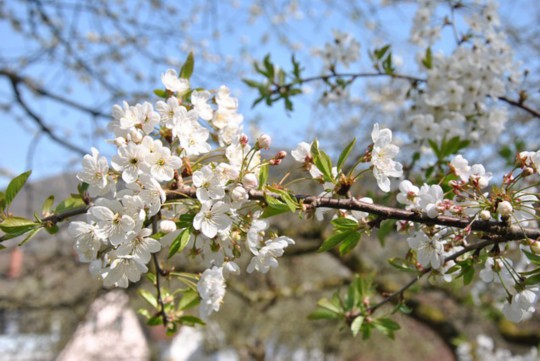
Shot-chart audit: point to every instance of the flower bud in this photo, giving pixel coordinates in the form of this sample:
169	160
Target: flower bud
527	171
167	226
120	142
239	194
280	155
264	141
250	181
505	209
244	139
485	215
136	136
535	247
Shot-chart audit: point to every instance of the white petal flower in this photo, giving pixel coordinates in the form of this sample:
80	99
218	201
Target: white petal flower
265	258
461	167
87	241
122	270
111	222
140	246
212	218
209	187
95	173
211	288
131	160
381	158
173	83
199	99
429	250
163	164
409	194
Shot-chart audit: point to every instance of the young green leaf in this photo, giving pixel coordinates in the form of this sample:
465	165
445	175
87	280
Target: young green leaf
180	242
30	235
345	154
187	69
15	186
356	325
336	239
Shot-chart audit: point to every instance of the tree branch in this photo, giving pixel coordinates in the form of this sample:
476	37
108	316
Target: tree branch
520	104
44	128
17	79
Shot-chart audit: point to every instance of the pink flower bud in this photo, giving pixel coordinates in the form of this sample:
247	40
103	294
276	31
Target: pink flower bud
250	181
244	139
264	141
280	155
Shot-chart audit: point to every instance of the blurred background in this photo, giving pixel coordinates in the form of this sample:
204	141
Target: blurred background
64	64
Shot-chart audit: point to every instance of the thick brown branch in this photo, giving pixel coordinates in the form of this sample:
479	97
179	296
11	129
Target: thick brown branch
509	233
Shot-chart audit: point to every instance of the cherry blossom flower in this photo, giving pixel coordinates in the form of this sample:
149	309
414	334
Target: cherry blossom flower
429	250
139	245
87	240
381	158
131	161
265	257
123	270
211	288
95	172
212	218
173	83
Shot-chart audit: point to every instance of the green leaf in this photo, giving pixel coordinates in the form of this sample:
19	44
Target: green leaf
322	161
155	321
179	243
149	297
331	305
190	320
75	201
533	280
323	314
186	220
17	225
387	226
386	326
47	205
15	186
348	244
263	176
274	207
2	201
30	235
401	264
345	224
336	239
345	154
534	258
356	325
187	69
189	299
269	67
428	59
467	272
161	93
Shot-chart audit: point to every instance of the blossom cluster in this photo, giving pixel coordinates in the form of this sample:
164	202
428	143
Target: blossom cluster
460	89
190	138
467	198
